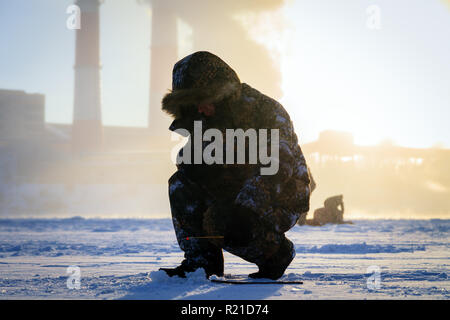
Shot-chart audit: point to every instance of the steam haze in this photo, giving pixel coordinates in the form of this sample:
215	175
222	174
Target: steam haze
381	97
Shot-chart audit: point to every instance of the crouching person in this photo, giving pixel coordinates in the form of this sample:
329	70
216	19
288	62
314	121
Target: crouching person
233	202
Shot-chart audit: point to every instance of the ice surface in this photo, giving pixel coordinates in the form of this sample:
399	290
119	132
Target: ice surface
120	259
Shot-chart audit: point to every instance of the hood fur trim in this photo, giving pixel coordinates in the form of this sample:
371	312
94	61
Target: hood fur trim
173	102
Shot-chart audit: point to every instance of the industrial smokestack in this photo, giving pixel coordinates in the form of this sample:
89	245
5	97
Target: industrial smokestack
87	120
164	54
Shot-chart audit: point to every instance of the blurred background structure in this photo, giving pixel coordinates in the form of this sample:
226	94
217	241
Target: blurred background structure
381	181
87	117
344	100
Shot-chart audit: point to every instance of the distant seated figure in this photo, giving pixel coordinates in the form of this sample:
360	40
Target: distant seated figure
332	212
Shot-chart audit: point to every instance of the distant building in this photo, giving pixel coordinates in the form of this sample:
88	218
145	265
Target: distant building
333	137
22	115
331	143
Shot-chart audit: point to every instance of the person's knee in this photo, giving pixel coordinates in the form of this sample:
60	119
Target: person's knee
182	189
287	247
175	182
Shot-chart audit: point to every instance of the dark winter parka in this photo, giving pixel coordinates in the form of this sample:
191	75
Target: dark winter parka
278	200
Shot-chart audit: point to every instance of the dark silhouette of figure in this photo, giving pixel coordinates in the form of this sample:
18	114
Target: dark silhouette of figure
331	212
232	206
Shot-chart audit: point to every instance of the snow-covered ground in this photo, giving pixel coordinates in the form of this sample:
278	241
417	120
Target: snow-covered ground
120	258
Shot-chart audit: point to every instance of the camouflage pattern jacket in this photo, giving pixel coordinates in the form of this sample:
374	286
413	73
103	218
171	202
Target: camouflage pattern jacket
278	199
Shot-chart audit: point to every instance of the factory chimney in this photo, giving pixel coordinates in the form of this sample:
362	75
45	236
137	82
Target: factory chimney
87	119
164	54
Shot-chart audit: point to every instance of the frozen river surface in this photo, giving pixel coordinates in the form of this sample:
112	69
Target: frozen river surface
120	258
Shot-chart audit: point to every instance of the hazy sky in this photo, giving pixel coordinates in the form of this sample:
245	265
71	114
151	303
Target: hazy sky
337	73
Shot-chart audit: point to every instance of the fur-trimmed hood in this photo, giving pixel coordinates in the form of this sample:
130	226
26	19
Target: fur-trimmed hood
175	101
199	78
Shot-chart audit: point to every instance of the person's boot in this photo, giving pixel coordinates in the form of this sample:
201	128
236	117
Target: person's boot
275	266
213	266
179	271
